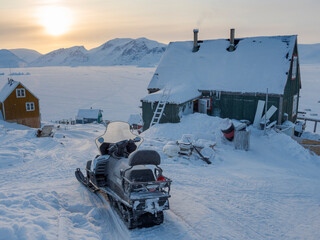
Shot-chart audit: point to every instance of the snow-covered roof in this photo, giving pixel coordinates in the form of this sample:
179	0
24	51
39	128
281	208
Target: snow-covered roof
88	113
135	119
257	63
7	90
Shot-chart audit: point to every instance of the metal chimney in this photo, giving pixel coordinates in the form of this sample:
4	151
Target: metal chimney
232	46
195	40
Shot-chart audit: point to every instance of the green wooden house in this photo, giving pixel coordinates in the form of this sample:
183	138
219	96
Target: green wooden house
226	78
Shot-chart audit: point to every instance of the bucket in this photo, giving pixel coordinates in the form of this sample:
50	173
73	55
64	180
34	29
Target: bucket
228	129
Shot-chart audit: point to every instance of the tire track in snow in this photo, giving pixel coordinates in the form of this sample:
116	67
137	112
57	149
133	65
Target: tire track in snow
197	234
224	219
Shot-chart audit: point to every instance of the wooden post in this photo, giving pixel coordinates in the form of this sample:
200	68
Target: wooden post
265	114
280	110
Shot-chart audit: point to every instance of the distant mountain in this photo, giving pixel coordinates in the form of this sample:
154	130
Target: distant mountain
10	60
26	55
119	51
309	53
126	51
74	56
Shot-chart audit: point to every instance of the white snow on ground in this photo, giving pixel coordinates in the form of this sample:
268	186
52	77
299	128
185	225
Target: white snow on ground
269	192
64	90
310	97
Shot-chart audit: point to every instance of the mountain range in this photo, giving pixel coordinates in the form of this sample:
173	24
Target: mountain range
119	51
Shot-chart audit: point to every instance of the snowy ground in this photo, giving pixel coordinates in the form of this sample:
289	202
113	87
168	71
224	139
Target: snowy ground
63	90
269	192
310	98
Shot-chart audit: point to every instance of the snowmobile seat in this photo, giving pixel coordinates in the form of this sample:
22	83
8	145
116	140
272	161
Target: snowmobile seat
142	157
140	174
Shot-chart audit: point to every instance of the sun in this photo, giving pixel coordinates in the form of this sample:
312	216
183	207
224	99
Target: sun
56	20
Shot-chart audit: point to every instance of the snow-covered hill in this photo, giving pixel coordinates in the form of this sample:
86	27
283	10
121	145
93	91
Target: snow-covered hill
27	55
141	52
10	60
120	51
269	192
74	56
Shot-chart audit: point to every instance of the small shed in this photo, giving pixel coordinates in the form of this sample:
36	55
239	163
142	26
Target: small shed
135	121
18	104
226	78
89	116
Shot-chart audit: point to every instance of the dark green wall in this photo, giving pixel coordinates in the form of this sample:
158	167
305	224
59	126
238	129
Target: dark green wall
241	106
292	88
170	114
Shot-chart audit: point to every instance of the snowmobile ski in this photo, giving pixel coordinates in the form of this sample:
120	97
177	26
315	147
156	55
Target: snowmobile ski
82	179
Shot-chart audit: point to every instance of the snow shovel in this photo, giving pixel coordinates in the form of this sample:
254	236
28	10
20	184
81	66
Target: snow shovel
201	156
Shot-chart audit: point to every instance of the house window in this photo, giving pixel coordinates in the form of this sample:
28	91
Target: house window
20	92
218	95
294	105
30	106
294	67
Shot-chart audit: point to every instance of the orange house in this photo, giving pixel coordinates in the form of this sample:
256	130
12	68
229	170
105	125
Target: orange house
18	104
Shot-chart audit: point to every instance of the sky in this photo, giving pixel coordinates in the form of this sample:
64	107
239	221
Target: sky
46	25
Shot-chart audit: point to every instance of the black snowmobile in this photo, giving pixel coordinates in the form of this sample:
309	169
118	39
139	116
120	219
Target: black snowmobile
139	193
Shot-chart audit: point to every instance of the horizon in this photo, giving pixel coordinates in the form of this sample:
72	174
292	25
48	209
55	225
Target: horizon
48	25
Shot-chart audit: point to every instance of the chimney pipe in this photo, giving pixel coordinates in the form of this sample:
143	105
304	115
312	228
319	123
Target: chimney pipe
195	40
232	46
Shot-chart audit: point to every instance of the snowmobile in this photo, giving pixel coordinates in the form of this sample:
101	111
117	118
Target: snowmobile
130	178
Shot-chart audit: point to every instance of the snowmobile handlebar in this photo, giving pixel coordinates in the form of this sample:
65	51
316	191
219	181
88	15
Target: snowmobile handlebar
122	148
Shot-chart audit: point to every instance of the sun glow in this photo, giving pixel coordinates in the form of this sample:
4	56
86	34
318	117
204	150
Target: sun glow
56	20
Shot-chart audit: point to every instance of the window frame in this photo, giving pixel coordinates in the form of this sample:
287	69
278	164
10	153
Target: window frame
294	105
20	91
294	67
31	105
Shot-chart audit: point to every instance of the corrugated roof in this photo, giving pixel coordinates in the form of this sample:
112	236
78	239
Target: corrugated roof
257	63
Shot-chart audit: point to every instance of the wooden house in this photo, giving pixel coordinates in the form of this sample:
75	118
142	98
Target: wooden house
226	78
89	116
18	104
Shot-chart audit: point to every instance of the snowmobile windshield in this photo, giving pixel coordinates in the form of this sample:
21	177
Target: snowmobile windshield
117	132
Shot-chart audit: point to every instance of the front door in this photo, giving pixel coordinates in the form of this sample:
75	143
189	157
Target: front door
203	106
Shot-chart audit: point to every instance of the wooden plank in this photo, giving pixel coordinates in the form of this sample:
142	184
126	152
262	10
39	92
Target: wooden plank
258	115
310	142
312	145
314	149
269	113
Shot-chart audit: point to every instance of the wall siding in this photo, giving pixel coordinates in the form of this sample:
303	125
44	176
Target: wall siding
292	88
237	106
15	109
170	113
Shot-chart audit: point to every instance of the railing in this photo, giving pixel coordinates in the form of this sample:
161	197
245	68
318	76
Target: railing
311	120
